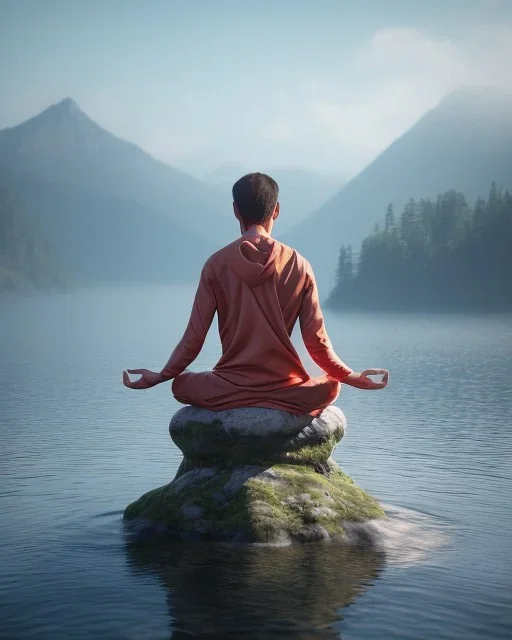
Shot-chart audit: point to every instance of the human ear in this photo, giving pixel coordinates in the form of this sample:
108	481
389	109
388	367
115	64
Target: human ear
239	218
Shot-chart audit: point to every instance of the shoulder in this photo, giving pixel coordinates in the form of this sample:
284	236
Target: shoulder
300	262
224	251
217	259
292	253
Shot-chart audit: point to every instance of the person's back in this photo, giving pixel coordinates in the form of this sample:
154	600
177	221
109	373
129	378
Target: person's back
257	284
259	288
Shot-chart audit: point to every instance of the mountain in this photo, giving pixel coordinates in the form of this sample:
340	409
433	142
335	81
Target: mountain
111	240
26	260
300	190
226	175
63	145
107	202
464	143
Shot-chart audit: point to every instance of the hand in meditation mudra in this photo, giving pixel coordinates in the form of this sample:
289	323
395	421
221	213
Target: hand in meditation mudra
259	288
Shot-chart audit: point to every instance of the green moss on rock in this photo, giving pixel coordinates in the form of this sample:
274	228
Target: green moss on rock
277	504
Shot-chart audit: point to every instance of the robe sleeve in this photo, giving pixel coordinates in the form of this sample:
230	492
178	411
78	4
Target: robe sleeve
201	318
314	333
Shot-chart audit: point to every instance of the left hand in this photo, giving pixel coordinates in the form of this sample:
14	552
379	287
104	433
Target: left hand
147	380
363	381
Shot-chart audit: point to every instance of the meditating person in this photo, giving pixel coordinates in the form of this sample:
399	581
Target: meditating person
259	288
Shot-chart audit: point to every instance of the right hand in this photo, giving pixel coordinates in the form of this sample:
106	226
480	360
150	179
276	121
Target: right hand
147	380
363	381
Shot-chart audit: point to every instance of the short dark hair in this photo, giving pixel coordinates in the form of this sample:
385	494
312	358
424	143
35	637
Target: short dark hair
255	196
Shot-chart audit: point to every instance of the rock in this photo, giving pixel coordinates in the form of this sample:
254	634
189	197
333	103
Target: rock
192	477
192	512
258	475
255	436
313	532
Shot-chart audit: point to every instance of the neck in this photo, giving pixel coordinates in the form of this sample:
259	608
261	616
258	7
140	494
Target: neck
256	230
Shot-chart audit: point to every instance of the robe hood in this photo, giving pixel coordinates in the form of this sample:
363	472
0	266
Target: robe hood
254	259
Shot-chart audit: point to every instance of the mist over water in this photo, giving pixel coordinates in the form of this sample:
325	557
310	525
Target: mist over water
76	447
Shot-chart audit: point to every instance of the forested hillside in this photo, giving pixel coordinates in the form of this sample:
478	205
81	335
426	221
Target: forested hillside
26	260
464	144
440	254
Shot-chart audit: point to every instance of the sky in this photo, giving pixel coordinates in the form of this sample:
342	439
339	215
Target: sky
324	85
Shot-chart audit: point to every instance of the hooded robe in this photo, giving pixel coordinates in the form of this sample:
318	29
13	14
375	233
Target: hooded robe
259	287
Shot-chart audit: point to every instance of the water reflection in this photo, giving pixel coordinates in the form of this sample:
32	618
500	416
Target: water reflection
255	592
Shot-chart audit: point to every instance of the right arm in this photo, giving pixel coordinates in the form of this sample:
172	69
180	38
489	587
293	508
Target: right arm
319	346
314	333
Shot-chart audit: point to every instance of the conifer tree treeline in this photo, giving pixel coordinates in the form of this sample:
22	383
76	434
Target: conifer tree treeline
26	260
440	254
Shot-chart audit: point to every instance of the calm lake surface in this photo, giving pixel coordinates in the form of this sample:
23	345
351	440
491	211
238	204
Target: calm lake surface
76	447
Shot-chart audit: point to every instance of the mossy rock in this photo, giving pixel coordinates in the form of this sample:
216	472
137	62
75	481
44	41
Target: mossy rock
257	475
277	504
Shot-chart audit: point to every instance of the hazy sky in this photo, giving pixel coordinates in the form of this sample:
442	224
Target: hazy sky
319	84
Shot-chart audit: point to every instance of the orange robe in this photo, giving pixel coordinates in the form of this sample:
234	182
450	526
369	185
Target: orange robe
259	287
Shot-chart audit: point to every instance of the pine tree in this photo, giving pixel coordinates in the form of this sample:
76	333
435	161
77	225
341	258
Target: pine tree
345	267
389	222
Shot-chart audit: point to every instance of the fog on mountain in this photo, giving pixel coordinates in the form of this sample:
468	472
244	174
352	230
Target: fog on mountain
112	213
300	190
27	259
465	143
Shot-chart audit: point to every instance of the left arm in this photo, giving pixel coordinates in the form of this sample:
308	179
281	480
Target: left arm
320	348
201	318
187	350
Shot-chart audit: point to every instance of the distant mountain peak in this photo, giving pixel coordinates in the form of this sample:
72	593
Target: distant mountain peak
64	118
476	95
67	104
67	107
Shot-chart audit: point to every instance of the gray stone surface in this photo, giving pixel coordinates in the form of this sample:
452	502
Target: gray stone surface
193	477
192	512
253	435
247	421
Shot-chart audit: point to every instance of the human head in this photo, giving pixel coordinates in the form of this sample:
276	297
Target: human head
255	200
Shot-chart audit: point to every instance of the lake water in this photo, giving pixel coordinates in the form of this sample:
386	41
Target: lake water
76	447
